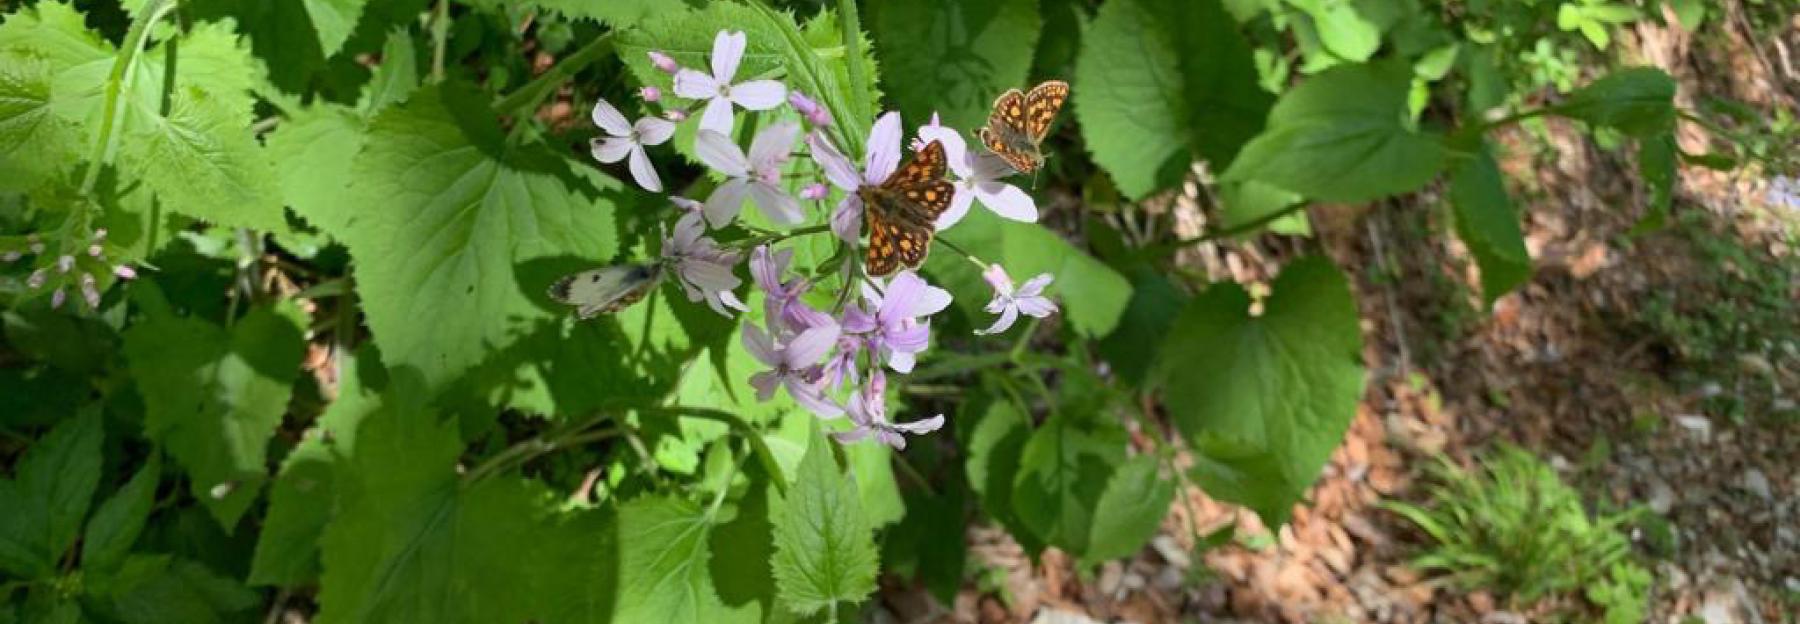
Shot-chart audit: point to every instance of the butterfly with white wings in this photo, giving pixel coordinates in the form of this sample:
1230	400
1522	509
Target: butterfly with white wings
607	289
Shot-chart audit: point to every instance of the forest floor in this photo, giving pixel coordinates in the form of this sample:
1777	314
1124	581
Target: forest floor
1578	366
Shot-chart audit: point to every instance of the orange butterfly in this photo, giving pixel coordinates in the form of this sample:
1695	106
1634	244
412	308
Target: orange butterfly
902	211
1020	121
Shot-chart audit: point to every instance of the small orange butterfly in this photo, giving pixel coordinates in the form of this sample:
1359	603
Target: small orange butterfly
1019	122
902	211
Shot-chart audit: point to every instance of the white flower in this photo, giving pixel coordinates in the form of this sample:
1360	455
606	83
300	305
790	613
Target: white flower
629	139
757	174
702	267
1028	300
979	177
720	93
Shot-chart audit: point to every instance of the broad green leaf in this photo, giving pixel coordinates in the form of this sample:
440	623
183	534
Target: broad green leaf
1691	13
317	147
1249	202
1160	83
300	499
619	14
395	78
1342	137
48	496
1656	165
1132	346
953	57
161	589
1637	101
444	222
686	35
34	142
1487	222
1131	509
1342	29
824	547
117	523
663	557
1092	295
333	20
202	162
1264	399
1063	471
214	396
55	33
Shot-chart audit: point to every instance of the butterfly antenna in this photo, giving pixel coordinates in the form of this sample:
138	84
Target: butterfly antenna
1034	177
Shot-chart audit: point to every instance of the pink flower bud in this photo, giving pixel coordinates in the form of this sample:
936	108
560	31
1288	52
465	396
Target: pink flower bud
37	279
56	298
816	190
65	263
90	292
650	94
663	62
125	272
676	115
811	110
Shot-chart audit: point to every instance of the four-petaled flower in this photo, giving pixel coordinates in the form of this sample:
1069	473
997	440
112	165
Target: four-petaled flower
868	412
702	267
893	329
629	139
879	161
1028	300
794	366
781	299
978	177
757	174
717	89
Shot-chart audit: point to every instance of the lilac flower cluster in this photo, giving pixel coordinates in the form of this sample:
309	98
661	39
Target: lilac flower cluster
831	354
79	262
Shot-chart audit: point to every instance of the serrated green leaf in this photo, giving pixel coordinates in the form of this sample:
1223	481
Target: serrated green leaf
213	397
663	557
1132	346
395	78
687	35
35	143
1342	29
1488	224
1656	165
1263	400
1131	509
992	462
202	162
55	33
1063	471
824	547
333	20
49	496
117	523
1637	101
1341	136
953	57
317	147
445	221
161	589
619	14
1161	82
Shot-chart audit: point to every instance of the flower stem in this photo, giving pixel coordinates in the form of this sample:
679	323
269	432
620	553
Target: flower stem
440	38
1242	228
534	92
123	71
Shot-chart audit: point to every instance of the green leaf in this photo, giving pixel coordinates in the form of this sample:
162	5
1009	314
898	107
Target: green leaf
953	57
1691	13
1656	165
1132	346
55	33
213	397
1342	29
442	221
49	495
1342	137
202	161
35	143
1637	101
1130	511
1092	295
619	14
300	500
1487	222
1161	82
663	555
686	35
1252	201
333	20
317	147
1264	399
117	523
824	547
1063	472
159	589
395	78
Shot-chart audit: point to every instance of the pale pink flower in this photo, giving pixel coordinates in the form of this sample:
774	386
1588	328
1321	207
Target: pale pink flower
978	178
880	159
892	324
757	174
1028	300
868	411
663	62
628	141
701	266
794	366
718	90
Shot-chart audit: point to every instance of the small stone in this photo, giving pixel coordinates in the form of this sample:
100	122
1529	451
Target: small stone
1755	482
1111	575
1134	581
1171	551
1058	616
1661	498
1696	425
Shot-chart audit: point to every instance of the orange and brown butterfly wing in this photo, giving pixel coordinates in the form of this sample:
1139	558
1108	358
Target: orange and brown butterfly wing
902	213
883	255
1041	107
927	164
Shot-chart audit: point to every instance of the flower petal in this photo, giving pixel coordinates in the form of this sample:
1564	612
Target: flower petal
857	321
643	172
1035	286
847	219
1007	201
610	119
838	167
773	144
725	202
759	94
808	396
1039	307
779	206
852	436
717	151
687	234
695	85
654	130
901	362
810	346
760	345
895	440
610	149
717	116
728	49
959	208
765	383
883	154
921	427
956	150
1008	314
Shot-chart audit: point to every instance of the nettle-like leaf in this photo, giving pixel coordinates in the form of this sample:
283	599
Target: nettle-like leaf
162	588
35	143
953	57
202	161
1130	510
1637	101
317	149
118	521
1487	222
1342	136
1092	294
1159	83
445	222
1063	472
663	560
824	547
213	396
333	20
48	496
619	14
1264	399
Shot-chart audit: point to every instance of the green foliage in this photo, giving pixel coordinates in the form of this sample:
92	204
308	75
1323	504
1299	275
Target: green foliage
1515	528
952	57
1487	222
824	550
48	496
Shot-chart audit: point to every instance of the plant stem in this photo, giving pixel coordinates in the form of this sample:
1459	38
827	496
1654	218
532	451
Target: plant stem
534	92
123	71
440	37
1018	349
719	499
1516	118
526	450
1229	232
